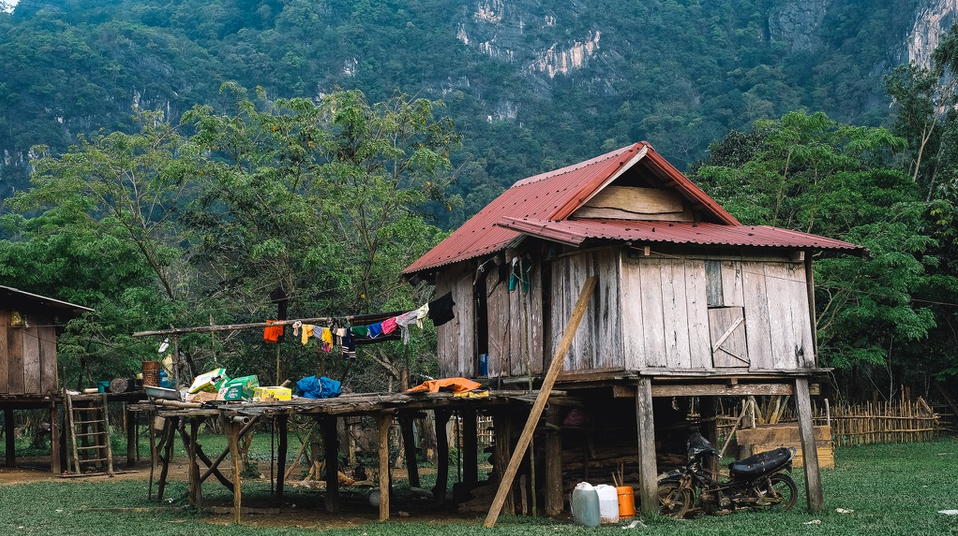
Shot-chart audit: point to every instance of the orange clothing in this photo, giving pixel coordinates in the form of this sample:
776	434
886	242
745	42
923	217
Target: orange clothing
455	385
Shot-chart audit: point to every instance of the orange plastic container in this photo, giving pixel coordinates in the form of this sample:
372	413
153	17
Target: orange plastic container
626	501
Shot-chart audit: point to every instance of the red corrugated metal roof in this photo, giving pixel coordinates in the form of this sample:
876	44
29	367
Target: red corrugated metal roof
555	196
574	232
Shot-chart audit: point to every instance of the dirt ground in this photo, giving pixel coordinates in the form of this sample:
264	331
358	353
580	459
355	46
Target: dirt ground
287	514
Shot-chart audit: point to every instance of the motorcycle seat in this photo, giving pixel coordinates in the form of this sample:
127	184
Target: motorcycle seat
760	464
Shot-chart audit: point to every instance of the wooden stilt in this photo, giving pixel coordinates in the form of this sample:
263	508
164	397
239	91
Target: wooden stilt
153	453
554	498
169	431
806	434
55	466
131	418
555	367
470	445
442	456
233	430
196	495
383	421
11	437
283	421
409	448
648	475
331	458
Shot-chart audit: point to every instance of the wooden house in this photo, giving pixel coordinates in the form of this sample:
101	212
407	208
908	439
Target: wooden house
689	302
29	324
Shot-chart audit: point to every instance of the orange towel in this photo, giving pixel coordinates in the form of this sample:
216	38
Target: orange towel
272	333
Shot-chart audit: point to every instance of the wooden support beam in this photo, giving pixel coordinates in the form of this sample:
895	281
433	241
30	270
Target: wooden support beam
383	421
555	367
233	433
738	389
327	424
201	456
806	433
170	426
502	428
11	437
196	495
645	426
409	448
55	451
442	456
554	497
131	418
470	445
282	421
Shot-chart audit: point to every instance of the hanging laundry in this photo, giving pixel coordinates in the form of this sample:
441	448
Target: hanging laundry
360	331
307	333
421	314
404	321
375	330
326	335
296	326
389	325
440	309
272	333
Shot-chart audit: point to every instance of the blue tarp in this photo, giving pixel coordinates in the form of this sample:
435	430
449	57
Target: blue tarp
323	387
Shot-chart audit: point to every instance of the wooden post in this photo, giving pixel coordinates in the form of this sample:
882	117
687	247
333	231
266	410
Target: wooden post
409	448
11	437
470	445
555	367
502	428
283	421
196	495
331	459
55	466
383	421
645	424
169	429
554	498
233	431
130	418
806	434
442	456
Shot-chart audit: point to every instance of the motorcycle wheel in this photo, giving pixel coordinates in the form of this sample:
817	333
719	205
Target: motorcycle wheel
782	493
674	501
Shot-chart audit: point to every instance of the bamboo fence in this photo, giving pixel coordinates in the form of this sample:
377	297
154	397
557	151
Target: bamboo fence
901	421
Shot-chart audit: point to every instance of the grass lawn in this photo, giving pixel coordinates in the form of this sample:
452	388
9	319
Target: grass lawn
892	490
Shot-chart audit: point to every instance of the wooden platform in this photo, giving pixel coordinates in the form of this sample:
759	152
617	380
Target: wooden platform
768	437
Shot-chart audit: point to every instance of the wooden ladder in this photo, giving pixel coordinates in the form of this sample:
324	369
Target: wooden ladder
89	434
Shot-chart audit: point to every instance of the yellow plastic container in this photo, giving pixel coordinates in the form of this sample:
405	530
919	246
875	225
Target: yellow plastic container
272	393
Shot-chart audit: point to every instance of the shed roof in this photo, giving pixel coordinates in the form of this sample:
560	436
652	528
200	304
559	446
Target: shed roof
541	206
13	298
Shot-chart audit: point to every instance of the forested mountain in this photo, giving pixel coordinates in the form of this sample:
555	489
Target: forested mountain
530	84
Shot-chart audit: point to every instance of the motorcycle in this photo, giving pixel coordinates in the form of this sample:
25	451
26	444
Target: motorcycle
757	482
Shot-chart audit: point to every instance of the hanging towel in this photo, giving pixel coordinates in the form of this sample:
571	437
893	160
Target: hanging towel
389	325
375	330
272	333
440	309
307	333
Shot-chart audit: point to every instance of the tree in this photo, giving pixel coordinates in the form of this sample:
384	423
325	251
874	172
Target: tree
809	173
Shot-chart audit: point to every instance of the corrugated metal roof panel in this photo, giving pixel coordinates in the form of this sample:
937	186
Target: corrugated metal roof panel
574	232
556	195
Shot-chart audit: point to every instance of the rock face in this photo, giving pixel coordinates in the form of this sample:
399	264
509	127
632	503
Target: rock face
798	24
932	18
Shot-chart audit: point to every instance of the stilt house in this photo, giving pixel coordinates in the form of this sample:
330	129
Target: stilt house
29	324
689	303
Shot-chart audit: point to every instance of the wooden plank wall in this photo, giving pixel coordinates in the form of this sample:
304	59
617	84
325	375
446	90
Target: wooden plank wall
457	338
776	315
515	326
664	313
28	356
598	341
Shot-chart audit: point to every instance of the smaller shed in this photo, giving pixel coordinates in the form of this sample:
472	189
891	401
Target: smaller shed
29	325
